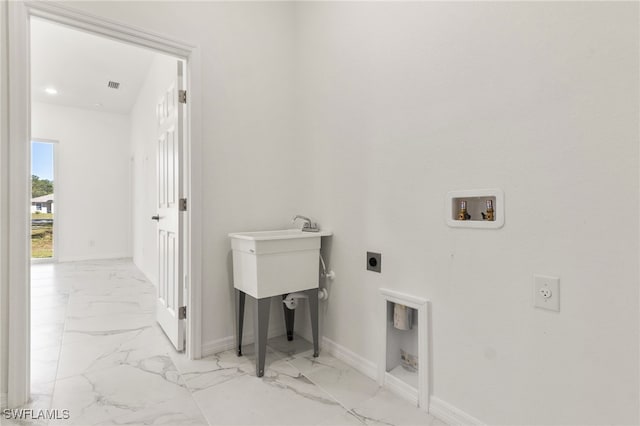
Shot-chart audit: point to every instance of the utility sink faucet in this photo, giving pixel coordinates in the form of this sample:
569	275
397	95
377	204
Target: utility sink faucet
308	226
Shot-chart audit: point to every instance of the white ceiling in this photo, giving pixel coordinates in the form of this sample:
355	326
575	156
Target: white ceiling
79	66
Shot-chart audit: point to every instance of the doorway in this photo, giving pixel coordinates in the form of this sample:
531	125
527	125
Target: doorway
20	193
43	225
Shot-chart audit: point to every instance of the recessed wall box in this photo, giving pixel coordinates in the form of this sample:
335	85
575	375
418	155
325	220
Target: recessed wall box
475	208
403	367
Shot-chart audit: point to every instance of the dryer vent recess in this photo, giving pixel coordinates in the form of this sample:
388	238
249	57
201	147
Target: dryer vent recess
374	261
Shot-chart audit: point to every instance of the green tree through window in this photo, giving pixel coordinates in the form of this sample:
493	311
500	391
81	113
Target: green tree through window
40	187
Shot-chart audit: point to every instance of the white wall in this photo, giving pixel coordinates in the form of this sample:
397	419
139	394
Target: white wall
93	188
144	131
256	174
393	104
403	102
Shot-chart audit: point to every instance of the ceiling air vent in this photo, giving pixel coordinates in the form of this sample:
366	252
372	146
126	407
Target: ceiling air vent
113	84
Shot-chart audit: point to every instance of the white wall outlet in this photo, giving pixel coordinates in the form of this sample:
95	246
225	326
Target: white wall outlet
546	292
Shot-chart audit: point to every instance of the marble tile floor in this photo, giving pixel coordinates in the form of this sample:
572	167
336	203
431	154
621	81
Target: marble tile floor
98	352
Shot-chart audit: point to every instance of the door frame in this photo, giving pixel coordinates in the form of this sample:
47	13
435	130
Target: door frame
19	14
54	258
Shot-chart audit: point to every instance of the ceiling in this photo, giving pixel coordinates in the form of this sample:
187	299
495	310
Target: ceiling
79	66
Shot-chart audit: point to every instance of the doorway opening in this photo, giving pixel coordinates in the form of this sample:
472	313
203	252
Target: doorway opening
43	235
186	280
99	98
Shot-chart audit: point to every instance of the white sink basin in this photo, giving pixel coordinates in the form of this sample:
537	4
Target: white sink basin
281	234
270	263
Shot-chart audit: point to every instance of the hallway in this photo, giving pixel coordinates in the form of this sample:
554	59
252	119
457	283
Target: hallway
98	352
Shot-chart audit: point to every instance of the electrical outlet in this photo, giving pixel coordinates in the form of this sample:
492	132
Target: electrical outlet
546	292
374	262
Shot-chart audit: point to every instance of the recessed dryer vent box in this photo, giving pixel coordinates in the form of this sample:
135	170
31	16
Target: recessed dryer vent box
477	214
404	349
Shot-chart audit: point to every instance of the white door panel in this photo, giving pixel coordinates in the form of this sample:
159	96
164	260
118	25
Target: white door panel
169	217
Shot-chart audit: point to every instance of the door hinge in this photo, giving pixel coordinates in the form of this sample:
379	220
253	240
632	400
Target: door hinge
182	96
182	312
183	205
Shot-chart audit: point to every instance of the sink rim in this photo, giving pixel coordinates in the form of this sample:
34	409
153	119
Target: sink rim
278	234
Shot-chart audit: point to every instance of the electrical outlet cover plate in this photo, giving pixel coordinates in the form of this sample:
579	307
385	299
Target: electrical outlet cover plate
546	292
374	262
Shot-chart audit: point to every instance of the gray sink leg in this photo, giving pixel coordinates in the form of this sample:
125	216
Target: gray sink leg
260	327
239	299
289	317
313	311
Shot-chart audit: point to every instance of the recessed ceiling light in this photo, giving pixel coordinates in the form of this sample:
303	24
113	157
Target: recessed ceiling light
51	91
98	105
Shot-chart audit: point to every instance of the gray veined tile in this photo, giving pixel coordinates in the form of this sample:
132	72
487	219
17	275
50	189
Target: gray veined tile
212	370
111	281
215	369
307	363
181	411
291	349
94	306
345	418
282	397
84	353
98	396
122	289
342	382
109	323
272	357
385	408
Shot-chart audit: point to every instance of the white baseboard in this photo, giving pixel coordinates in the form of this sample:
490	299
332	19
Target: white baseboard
213	347
401	389
366	367
3	400
94	257
450	414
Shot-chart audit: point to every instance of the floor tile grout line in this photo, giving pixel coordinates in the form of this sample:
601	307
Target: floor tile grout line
206	419
348	410
64	327
352	411
203	417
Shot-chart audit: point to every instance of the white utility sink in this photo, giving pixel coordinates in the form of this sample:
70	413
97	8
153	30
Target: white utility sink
270	263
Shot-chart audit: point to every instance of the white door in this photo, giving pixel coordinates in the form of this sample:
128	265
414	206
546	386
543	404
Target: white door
169	215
